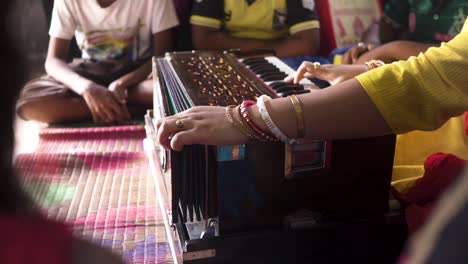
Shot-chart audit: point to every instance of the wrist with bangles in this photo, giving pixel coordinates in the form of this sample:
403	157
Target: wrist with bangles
240	117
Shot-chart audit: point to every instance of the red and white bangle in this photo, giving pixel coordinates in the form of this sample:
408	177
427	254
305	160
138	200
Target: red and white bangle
262	108
233	115
244	111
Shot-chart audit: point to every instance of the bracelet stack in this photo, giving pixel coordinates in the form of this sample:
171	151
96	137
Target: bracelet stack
240	118
264	135
372	64
262	108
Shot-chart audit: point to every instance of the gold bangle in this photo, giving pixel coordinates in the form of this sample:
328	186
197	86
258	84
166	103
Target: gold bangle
230	115
238	117
299	116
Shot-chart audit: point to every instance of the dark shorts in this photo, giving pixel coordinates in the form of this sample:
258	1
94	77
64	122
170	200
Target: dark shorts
101	72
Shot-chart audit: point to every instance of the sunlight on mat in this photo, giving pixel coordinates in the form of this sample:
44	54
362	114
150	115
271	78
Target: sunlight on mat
98	181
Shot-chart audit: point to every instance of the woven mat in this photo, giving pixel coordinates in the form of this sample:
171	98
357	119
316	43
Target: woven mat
98	181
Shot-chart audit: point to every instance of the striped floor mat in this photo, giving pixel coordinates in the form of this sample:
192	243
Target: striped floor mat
98	181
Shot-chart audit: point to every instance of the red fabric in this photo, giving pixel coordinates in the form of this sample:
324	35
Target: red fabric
327	39
440	171
466	123
33	240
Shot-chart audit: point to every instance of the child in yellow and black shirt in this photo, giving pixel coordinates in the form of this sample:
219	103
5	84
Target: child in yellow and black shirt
288	27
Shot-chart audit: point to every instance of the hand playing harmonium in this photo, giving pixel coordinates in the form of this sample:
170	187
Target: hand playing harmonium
207	125
243	149
334	74
198	125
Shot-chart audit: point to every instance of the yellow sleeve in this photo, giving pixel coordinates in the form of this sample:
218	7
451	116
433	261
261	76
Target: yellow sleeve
425	91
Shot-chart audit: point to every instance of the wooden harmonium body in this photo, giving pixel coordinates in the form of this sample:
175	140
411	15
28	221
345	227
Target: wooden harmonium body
212	193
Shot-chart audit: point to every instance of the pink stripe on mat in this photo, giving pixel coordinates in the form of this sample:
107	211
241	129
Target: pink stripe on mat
93	132
101	186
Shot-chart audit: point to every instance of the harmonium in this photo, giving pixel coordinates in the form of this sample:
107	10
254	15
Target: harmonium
248	203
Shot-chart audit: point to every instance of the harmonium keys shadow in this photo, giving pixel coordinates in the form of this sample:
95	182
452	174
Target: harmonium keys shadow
222	202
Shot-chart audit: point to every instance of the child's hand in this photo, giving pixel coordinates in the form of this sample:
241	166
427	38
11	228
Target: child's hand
334	74
354	53
119	90
103	105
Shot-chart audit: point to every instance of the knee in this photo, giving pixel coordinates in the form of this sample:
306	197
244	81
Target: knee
54	110
146	87
142	94
34	111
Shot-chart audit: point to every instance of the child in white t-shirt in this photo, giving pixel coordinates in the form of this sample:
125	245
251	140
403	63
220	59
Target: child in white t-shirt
117	39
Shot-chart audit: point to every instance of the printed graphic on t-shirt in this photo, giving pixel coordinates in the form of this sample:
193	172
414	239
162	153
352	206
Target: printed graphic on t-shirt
113	44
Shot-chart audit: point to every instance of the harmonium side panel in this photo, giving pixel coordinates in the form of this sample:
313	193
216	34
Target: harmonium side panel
355	183
197	169
253	191
250	187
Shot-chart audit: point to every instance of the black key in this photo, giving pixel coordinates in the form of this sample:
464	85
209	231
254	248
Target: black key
274	77
256	63
291	87
267	73
264	69
260	67
279	84
253	60
288	93
263	66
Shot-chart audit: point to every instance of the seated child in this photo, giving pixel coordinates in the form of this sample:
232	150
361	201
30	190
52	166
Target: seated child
117	39
27	235
290	28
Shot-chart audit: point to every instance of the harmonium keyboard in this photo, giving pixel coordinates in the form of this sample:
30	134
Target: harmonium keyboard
218	200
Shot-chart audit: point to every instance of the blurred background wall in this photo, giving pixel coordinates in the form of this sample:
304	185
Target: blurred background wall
29	24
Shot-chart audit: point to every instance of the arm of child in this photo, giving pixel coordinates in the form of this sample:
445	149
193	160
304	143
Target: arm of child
305	42
395	51
302	43
207	38
162	42
101	102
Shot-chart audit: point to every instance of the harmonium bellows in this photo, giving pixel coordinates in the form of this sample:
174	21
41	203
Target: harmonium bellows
213	193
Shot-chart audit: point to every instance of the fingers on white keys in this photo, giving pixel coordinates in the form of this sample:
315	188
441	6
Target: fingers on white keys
308	68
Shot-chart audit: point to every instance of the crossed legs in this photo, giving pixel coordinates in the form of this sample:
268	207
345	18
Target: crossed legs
55	109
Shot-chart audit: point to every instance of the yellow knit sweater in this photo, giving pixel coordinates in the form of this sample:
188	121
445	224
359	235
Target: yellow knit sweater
422	94
425	91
